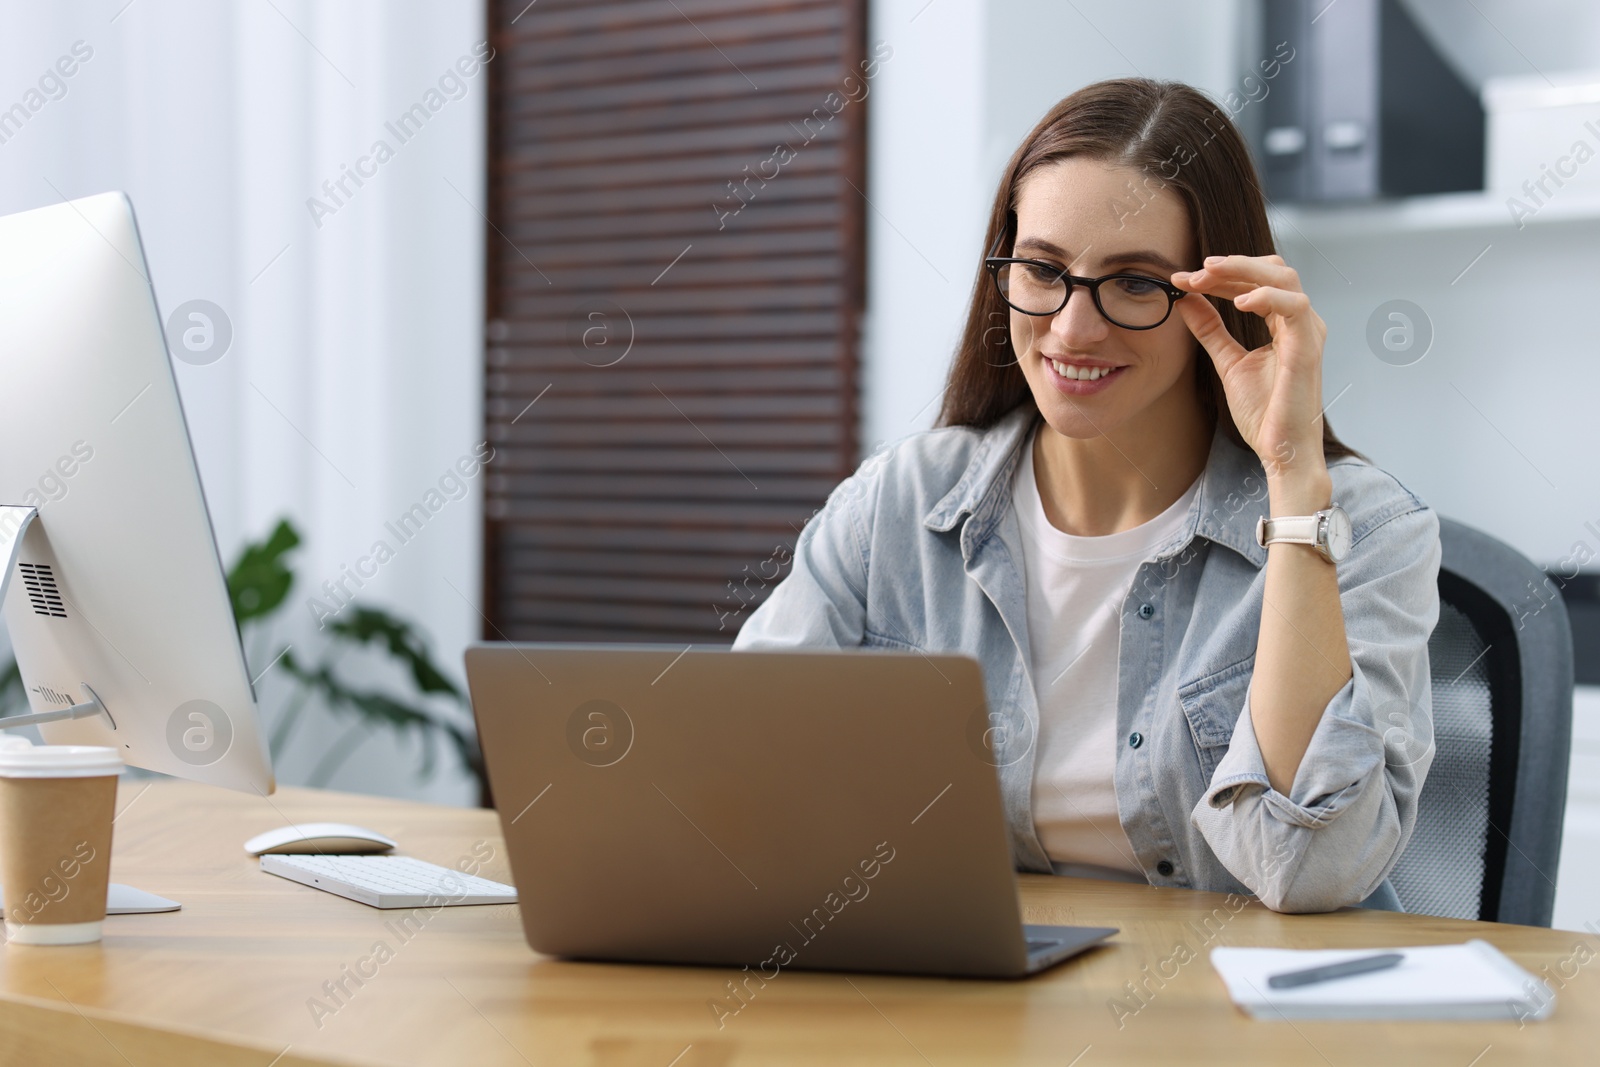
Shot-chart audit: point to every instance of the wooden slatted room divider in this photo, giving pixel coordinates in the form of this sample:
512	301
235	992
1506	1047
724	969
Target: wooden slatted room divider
675	261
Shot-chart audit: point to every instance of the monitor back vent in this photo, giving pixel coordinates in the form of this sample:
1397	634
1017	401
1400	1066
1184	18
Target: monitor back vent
40	582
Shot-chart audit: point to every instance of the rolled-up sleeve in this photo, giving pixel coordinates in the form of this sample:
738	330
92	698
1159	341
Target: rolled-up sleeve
1334	838
822	603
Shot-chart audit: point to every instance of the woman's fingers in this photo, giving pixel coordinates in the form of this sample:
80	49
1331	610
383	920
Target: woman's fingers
1268	300
1211	284
1261	285
1260	270
1300	334
1292	308
1209	329
1286	378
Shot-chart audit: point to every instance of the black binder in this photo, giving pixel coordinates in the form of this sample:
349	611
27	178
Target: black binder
1367	107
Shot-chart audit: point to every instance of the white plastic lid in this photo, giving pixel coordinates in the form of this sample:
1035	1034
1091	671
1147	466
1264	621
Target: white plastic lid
58	761
14	741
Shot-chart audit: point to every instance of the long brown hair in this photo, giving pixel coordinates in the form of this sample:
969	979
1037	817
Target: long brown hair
1175	138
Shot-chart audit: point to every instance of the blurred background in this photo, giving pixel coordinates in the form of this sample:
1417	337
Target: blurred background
675	266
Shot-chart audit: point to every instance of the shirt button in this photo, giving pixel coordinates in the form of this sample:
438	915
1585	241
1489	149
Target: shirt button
1164	868
1146	610
1135	739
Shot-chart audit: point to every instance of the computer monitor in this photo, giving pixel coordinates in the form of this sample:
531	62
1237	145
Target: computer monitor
115	596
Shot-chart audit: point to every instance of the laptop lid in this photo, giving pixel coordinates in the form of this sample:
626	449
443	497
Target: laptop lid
805	808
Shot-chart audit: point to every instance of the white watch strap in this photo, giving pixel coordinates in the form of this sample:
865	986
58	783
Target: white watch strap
1295	529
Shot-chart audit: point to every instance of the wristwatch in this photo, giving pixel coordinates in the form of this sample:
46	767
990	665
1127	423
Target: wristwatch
1328	531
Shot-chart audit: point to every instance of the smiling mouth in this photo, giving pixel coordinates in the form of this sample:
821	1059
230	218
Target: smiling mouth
1080	372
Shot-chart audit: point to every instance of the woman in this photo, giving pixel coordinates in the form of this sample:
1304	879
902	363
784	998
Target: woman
1139	382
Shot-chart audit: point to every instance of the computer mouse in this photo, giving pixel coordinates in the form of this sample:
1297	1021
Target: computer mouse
328	838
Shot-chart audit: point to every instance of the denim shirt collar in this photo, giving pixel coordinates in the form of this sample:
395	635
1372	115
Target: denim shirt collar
1221	512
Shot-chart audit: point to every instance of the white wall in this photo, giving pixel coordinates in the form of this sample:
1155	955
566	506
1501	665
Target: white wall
1512	36
353	380
926	181
1578	881
1487	426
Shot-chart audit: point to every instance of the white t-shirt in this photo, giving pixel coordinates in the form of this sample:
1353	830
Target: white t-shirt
1076	586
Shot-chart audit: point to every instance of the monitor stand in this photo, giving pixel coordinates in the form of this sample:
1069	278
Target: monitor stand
126	900
14	521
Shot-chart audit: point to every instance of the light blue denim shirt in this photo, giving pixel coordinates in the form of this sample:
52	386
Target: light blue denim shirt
920	550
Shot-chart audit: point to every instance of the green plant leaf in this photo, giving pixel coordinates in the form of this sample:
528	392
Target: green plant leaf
366	626
11	687
259	581
383	710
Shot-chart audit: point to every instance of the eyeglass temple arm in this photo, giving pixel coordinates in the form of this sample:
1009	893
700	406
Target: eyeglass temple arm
1000	238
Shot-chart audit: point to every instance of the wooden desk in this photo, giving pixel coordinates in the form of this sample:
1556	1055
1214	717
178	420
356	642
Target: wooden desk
233	977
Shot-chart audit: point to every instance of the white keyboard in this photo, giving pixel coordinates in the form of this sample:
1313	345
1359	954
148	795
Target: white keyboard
388	881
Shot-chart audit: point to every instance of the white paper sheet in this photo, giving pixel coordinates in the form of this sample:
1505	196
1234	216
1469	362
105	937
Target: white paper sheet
1469	981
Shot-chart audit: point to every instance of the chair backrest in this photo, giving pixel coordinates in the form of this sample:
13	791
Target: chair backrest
1488	833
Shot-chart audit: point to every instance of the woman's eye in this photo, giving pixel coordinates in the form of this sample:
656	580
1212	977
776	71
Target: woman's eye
1137	286
1039	273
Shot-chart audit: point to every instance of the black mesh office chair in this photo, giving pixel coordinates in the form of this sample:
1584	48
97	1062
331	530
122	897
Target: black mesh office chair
1488	832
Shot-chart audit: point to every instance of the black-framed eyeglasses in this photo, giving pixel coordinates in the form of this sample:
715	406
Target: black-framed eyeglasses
1034	287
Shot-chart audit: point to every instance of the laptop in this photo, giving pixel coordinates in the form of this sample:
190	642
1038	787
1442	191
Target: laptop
815	809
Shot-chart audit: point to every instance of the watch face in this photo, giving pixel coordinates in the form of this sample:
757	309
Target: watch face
1338	533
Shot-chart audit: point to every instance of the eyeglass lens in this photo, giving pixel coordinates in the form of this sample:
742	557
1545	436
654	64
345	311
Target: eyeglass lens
1130	302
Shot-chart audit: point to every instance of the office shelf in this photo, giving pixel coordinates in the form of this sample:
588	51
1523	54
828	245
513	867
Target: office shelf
1442	213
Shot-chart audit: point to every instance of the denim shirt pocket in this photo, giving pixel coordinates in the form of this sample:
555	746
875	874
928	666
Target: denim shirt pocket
872	639
1211	706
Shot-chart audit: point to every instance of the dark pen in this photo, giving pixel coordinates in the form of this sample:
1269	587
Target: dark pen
1360	965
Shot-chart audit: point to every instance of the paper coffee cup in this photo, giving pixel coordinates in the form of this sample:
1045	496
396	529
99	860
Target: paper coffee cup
12	741
56	807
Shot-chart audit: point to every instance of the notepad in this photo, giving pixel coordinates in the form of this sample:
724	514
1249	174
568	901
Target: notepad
1470	981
